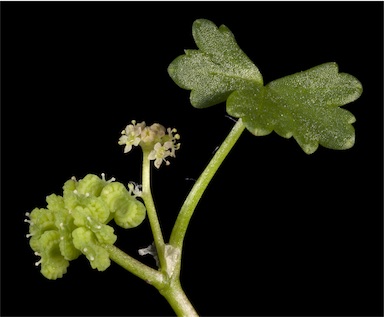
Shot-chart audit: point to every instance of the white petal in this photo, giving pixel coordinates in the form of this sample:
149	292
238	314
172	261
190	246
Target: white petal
127	148
152	155
157	162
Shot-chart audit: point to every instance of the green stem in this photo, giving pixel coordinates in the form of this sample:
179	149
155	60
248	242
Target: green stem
167	280
151	210
187	210
178	300
137	268
169	288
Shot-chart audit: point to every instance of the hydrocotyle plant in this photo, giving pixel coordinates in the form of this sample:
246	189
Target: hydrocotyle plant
305	106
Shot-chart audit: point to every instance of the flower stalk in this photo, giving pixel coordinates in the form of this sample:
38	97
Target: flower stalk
151	210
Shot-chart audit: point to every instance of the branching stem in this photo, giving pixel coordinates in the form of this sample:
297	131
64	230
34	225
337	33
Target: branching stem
167	279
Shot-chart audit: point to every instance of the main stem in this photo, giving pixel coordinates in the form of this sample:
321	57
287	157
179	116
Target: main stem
185	214
169	288
178	300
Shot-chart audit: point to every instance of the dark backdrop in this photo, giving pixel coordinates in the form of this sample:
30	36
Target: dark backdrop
278	232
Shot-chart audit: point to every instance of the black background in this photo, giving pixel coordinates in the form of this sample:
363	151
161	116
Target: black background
278	232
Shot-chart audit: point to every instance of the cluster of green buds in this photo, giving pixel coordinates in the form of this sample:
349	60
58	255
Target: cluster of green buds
76	223
155	140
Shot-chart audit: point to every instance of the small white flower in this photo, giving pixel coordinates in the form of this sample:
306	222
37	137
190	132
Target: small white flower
173	139
160	153
159	130
134	189
148	135
161	142
131	135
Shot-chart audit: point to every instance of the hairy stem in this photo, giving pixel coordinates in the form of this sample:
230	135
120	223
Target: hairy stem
187	210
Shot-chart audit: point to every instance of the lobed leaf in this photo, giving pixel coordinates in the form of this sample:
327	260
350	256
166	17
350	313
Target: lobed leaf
304	105
217	69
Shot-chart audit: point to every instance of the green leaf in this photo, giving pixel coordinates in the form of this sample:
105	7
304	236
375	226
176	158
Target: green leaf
304	105
217	69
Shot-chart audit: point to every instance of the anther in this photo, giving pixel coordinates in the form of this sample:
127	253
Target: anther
29	235
92	258
29	221
87	194
73	178
85	250
109	181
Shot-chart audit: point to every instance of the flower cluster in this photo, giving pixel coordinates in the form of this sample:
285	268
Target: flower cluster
76	223
160	143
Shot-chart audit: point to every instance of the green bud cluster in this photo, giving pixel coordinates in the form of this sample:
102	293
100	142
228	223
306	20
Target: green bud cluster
76	223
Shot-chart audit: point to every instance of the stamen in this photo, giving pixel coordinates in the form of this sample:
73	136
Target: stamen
38	263
109	181
29	235
29	221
